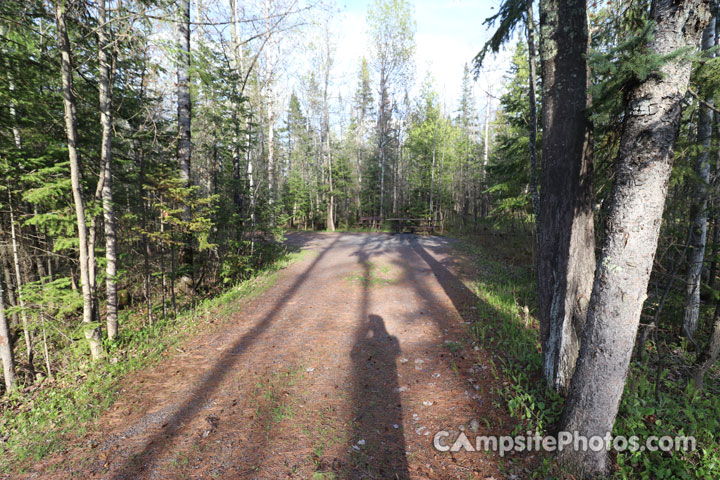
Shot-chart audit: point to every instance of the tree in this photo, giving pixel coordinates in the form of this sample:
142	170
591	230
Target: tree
532	94
326	60
508	172
698	210
105	93
392	31
509	15
643	167
92	330
362	113
6	348
182	40
566	240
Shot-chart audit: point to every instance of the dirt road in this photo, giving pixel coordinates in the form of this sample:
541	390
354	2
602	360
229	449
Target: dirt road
345	368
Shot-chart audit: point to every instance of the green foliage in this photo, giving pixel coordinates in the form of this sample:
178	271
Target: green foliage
679	410
510	13
509	167
502	293
38	422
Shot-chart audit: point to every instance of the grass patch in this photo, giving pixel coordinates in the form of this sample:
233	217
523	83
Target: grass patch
504	291
274	403
452	347
374	275
35	422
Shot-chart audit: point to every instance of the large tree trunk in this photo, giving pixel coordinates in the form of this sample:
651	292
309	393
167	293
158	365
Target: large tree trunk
182	32
6	348
643	168
566	240
105	161
698	209
92	333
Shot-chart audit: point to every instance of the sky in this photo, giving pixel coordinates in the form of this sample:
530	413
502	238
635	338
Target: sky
449	34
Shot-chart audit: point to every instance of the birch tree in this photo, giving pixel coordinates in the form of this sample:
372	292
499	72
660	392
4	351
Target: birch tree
92	330
6	347
105	97
698	211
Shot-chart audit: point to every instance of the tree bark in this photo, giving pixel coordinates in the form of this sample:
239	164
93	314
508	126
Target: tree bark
6	348
712	270
92	332
643	168
9	286
184	108
698	210
566	240
19	283
105	88
236	61
327	65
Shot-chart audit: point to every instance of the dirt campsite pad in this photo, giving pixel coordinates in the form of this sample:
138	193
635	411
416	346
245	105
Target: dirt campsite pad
345	368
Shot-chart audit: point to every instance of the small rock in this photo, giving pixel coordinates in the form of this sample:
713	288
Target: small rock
361	442
396	426
310	370
474	425
403	360
436	375
428	404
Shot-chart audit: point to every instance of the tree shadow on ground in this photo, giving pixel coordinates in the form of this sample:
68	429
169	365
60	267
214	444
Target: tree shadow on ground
143	461
377	447
509	336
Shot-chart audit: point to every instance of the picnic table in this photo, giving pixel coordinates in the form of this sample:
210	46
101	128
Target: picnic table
373	222
412	225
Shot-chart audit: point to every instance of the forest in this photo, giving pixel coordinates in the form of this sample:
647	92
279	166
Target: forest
161	161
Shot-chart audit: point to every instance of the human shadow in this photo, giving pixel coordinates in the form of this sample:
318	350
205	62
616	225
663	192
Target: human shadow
207	384
378	439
